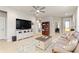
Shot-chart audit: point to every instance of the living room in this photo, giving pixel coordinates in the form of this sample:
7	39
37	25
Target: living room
17	36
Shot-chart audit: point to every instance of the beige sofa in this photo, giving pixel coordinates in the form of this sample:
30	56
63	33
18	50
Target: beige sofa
67	43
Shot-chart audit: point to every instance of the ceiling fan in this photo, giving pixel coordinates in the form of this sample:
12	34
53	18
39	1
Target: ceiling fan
38	9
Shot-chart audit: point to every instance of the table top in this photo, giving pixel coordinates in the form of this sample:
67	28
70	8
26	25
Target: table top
43	38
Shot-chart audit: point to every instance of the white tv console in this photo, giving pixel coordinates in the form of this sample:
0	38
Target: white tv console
22	34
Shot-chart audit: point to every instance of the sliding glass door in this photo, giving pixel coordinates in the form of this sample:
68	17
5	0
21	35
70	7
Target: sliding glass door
2	25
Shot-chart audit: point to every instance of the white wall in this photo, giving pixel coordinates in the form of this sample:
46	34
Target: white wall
74	20
77	21
11	20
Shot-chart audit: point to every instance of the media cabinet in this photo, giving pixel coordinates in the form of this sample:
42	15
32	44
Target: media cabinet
23	34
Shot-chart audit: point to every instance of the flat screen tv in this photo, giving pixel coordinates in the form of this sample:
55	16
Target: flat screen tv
23	24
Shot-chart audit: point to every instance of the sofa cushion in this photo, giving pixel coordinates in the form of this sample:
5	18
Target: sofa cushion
71	45
59	50
77	49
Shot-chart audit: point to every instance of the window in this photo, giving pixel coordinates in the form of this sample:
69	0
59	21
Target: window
67	26
39	25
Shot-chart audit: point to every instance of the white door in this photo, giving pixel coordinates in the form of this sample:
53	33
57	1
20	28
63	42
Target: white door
2	27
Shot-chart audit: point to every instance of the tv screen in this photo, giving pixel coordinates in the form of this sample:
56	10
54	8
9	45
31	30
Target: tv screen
23	24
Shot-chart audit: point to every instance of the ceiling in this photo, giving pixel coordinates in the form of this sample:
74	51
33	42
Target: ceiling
59	11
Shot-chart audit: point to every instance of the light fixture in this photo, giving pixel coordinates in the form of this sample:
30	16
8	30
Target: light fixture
37	11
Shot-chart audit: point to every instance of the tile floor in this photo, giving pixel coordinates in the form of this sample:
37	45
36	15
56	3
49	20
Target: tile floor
25	46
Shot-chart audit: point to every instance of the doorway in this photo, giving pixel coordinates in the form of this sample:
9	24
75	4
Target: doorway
57	27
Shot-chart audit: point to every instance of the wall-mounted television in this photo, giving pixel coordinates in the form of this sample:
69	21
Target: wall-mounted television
23	24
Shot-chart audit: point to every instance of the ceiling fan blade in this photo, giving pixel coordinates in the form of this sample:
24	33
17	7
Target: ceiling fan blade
42	11
34	7
38	7
42	8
